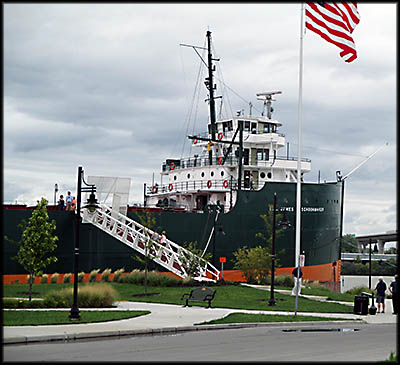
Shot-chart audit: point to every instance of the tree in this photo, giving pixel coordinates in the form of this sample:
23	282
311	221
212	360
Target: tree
191	263
254	263
349	244
149	222
37	242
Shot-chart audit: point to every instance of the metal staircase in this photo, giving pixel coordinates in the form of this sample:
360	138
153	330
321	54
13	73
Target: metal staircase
171	256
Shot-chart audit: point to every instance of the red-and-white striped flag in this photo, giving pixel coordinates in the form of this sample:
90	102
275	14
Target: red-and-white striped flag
334	22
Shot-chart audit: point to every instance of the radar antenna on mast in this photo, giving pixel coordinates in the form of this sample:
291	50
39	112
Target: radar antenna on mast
267	97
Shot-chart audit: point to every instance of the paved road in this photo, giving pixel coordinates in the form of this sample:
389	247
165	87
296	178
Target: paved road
372	342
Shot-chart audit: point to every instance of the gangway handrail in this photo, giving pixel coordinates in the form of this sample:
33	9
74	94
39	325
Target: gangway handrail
135	235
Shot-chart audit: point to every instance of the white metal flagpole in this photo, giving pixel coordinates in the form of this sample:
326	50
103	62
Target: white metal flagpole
298	193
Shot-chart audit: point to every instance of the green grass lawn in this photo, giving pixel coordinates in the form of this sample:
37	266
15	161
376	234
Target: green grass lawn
36	318
229	296
255	318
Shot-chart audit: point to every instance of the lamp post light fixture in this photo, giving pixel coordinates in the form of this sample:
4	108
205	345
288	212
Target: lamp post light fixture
55	193
285	224
370	261
91	206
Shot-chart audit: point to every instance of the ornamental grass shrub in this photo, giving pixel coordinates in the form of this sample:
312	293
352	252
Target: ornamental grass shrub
358	290
105	275
154	278
81	276
281	280
117	275
11	303
99	295
44	279
67	278
93	275
54	278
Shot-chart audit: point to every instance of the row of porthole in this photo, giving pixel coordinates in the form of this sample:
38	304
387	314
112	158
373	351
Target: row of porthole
202	175
262	175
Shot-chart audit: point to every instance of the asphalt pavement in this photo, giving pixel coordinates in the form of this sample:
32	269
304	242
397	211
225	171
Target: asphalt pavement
165	319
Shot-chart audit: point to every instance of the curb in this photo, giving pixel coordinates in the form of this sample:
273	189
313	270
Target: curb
164	331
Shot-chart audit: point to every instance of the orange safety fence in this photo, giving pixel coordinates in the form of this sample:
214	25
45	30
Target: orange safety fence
325	272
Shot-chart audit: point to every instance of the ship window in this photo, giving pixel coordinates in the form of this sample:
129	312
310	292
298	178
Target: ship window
262	175
254	128
262	154
222	173
212	173
188	176
273	128
247	126
175	177
227	126
202	174
269	175
266	127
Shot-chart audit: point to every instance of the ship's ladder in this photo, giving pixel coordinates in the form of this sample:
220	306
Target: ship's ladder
171	256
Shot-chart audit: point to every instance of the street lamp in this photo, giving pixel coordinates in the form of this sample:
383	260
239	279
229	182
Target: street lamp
283	223
91	206
55	192
370	261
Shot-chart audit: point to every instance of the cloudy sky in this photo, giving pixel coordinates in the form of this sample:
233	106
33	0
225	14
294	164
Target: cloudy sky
108	87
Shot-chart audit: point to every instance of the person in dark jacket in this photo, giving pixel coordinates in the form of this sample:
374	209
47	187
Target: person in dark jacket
61	203
297	284
380	294
394	289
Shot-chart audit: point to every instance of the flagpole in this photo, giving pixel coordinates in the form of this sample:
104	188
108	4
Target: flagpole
298	193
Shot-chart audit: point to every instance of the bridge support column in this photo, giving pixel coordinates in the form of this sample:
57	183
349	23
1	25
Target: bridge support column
381	246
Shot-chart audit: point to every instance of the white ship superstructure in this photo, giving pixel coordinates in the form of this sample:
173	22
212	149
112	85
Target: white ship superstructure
238	153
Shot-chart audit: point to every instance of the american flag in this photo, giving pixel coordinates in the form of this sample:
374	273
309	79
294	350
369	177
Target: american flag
334	22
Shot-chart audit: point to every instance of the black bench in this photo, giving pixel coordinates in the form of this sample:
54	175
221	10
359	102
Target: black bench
199	294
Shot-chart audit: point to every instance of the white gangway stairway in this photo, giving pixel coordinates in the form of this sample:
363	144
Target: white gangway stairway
171	256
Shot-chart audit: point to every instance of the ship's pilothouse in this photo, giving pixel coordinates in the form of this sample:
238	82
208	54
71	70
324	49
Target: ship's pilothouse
212	175
238	153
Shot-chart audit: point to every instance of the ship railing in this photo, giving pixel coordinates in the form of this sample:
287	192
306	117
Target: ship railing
192	185
170	255
230	161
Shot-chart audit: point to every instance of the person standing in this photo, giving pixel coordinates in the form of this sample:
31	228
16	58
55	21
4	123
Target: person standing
393	288
68	200
297	283
380	294
61	203
73	204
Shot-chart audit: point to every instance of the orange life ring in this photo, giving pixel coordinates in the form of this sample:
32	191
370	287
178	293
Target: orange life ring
226	184
220	135
209	184
155	189
170	187
172	166
219	160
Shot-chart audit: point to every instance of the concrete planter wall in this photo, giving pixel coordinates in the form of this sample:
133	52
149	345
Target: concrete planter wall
348	282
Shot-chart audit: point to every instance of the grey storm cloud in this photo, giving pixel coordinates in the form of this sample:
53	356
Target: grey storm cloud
109	87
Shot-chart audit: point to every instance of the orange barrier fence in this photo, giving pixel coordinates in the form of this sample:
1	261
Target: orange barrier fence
326	272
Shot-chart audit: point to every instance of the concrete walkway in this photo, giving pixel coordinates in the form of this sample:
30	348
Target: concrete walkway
164	319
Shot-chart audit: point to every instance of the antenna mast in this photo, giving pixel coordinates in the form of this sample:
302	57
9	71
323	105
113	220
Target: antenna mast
267	97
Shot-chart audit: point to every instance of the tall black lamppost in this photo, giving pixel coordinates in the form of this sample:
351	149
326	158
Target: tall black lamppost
370	261
285	224
91	206
55	193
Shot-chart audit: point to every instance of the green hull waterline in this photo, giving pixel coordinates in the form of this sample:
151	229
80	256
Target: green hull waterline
320	233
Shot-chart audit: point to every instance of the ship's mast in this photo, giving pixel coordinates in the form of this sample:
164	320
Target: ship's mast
211	87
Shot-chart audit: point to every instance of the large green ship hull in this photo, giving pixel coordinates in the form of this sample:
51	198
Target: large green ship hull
321	221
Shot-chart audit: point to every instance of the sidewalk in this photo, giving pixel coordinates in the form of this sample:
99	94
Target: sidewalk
165	319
